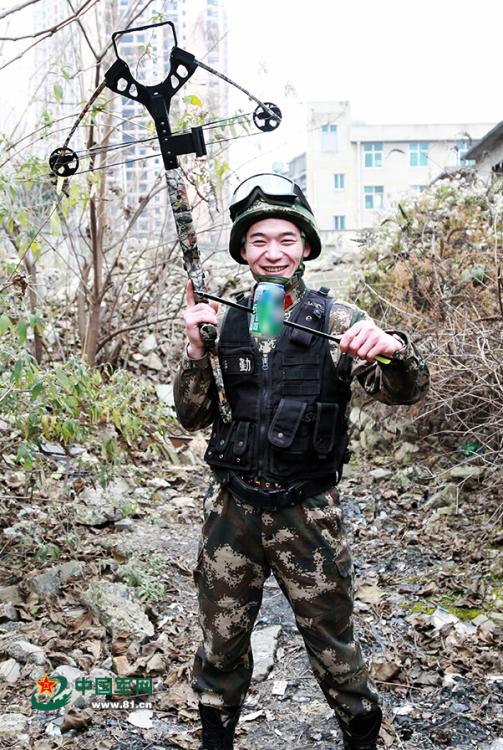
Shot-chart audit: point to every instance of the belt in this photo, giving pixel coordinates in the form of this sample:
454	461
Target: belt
274	499
263	484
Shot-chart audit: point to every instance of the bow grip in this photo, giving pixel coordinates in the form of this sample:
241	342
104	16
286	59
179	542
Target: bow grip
209	335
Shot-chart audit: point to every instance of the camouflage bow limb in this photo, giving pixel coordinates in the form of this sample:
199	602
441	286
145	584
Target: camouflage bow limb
192	263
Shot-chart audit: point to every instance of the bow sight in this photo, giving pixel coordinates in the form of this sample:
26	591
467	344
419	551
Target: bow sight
64	162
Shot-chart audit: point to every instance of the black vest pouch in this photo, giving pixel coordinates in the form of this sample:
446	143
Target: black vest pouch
241	438
325	428
229	445
285	423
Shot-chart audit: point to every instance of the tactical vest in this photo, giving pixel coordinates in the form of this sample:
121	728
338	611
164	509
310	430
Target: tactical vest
288	406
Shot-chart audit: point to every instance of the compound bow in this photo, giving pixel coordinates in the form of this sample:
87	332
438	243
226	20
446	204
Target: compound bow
64	162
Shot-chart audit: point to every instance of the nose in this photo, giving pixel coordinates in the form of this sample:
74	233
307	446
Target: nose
274	250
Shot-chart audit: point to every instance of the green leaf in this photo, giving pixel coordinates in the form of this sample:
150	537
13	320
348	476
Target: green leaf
5	324
193	99
36	390
58	92
21	331
16	372
24	456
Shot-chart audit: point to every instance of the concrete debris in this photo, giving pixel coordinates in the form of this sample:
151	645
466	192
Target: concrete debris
9	671
26	652
114	607
264	643
13	723
98	506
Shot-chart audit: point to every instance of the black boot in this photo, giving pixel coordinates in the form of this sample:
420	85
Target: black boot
218	727
362	731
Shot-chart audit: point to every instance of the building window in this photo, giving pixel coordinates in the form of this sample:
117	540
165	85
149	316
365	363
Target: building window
417	188
339	181
462	147
372	154
329	137
339	222
374	196
418	154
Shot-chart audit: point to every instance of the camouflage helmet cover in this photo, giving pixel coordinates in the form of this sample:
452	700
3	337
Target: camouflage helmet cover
269	206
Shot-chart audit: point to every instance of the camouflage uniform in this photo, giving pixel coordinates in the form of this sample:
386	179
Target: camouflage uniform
304	546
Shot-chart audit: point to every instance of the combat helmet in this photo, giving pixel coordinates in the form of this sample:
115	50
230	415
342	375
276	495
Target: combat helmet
267	196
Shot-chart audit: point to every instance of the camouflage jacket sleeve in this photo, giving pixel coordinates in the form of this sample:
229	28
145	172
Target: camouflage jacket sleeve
194	393
404	380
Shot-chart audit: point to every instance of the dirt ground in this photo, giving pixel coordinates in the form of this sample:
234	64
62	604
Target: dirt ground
428	612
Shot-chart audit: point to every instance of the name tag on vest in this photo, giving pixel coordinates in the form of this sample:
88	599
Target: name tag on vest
238	364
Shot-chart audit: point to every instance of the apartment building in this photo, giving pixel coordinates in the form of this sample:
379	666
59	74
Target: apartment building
352	172
201	27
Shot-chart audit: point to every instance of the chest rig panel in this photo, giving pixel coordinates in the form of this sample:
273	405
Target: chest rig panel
288	406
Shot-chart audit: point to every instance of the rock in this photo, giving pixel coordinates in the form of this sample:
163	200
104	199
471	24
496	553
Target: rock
484	623
125	524
279	688
13	723
8	612
404	451
70	569
10	594
26	652
115	609
360	418
264	643
98	506
50	581
153	362
45	583
466	471
452	679
380	473
440	618
447	495
149	344
25	533
9	671
52	449
372	439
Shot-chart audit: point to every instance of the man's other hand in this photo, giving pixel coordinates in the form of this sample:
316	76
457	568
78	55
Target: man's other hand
365	340
194	314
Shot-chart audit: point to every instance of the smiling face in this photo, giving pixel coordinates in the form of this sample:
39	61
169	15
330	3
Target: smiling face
274	247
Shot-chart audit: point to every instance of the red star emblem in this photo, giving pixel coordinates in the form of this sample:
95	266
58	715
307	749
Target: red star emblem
46	685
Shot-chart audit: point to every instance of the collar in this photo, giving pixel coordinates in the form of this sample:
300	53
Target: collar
295	293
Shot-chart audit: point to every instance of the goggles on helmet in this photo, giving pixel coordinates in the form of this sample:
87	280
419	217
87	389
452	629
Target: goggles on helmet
273	188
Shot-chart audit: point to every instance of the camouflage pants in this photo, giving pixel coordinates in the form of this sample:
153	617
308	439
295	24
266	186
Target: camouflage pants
305	548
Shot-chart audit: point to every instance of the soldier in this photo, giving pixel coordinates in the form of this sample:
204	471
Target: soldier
272	503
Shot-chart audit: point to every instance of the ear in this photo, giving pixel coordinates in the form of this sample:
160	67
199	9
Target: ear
242	252
307	250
